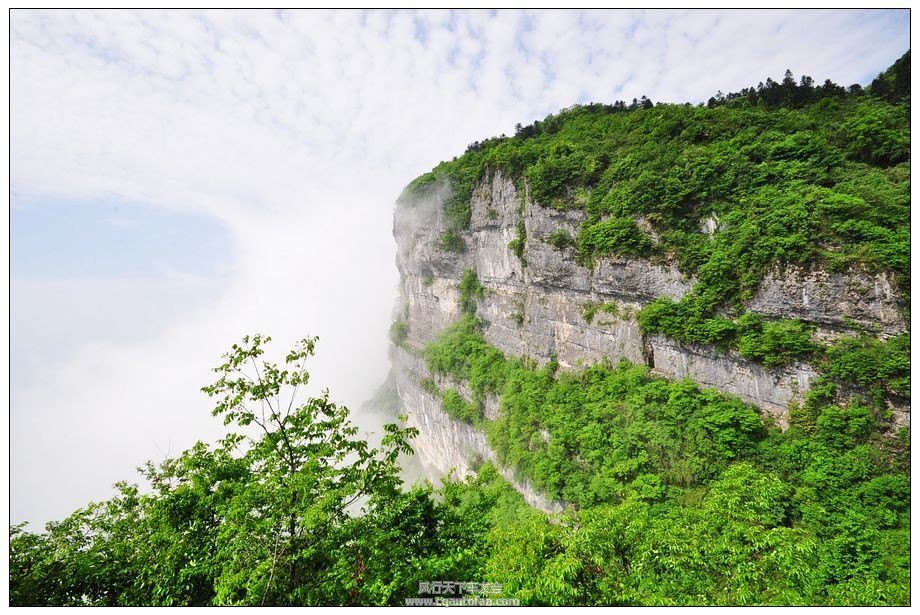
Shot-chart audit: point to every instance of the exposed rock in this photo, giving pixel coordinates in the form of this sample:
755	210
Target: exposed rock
831	300
709	225
771	389
535	309
446	443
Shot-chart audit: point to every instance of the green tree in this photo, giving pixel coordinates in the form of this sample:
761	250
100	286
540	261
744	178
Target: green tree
265	517
306	470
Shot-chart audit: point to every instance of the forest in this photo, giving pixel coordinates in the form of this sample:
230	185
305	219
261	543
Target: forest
672	494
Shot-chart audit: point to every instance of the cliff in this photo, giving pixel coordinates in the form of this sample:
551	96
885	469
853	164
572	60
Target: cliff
541	301
537	310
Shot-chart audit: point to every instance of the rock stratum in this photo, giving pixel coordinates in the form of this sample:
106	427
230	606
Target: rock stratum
534	306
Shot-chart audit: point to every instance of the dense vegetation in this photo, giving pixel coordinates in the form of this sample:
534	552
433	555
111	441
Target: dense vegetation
289	508
785	173
682	495
677	496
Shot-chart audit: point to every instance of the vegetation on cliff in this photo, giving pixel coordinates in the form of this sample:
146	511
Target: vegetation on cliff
682	495
785	173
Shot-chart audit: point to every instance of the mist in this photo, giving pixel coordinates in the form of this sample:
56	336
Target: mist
95	417
293	133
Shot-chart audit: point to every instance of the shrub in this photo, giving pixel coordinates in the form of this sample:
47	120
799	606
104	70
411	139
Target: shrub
451	241
881	367
458	408
561	239
518	244
399	332
619	236
470	291
681	321
774	342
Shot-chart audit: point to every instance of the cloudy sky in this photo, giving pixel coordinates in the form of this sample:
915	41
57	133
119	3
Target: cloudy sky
180	179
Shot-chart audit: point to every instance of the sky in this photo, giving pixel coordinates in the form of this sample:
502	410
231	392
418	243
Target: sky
181	179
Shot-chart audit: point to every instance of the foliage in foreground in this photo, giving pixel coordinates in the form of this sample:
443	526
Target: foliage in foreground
289	508
677	496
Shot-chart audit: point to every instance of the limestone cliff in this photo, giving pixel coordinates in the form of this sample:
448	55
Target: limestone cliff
534	306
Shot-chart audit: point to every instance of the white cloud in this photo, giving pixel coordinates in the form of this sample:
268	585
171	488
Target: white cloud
297	131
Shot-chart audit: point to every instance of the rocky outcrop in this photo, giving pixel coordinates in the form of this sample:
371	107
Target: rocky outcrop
444	443
834	301
771	389
537	308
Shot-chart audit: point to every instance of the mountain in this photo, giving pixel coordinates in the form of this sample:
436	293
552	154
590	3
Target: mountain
635	298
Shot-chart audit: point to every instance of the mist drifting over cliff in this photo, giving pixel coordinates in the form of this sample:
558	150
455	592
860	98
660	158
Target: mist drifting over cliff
282	139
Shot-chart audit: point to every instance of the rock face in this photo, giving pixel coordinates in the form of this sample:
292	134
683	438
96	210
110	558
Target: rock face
447	444
538	309
830	299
